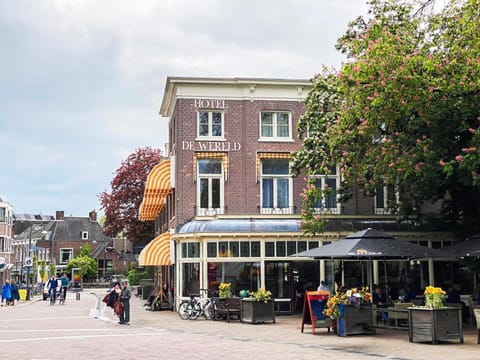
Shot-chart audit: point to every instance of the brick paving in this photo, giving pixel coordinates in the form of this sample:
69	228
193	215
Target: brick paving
35	330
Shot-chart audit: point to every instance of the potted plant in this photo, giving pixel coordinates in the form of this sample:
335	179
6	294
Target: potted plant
434	322
351	311
258	307
225	290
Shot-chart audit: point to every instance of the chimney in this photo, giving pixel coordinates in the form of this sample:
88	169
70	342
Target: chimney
60	215
93	215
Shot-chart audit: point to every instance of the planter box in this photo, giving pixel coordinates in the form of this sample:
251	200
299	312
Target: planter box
434	325
355	320
255	312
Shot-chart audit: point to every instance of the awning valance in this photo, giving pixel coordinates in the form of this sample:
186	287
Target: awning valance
157	252
157	188
269	155
211	155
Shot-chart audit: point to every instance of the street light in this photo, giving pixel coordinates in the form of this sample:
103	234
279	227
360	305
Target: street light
29	263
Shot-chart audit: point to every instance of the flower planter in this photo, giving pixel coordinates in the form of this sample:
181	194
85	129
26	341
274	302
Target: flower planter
434	325
255	312
355	320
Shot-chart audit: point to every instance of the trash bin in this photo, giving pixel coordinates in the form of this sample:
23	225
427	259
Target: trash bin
23	294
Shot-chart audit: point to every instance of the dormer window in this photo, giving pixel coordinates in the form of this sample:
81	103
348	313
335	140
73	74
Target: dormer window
84	235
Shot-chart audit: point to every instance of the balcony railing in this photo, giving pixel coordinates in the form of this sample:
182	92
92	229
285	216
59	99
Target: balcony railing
199	211
289	210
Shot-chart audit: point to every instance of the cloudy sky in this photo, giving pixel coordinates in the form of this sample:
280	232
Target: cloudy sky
81	81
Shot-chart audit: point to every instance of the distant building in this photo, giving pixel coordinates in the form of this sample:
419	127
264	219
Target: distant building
58	240
6	233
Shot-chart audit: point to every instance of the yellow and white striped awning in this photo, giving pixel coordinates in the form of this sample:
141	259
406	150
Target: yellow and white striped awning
269	155
157	188
211	155
157	252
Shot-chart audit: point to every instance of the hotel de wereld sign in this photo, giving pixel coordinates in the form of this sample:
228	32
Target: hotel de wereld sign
211	146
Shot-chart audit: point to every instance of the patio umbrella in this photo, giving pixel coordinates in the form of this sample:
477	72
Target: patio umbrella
371	244
466	248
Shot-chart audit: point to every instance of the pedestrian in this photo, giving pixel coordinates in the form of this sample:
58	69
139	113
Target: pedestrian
6	292
125	296
65	283
15	292
323	287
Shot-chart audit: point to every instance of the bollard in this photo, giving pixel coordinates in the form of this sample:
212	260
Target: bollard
77	296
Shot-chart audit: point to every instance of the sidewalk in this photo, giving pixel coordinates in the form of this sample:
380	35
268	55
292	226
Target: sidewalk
389	343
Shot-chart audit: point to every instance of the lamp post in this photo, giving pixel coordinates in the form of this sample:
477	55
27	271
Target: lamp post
28	263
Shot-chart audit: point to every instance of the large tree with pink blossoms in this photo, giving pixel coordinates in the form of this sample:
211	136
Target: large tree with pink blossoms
403	110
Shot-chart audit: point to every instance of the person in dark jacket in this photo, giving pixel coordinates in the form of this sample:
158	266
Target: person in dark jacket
125	296
15	292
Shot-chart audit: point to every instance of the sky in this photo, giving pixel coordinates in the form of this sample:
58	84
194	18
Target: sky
81	81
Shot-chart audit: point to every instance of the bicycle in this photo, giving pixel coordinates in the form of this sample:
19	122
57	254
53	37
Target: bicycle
196	306
53	296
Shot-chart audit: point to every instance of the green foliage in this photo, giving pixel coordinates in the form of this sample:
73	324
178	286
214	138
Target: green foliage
85	250
87	266
403	111
52	269
42	270
134	276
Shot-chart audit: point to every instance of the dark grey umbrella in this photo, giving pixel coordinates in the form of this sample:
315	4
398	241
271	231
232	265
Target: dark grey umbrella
371	244
467	248
374	245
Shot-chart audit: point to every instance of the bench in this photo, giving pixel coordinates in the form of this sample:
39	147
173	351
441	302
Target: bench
227	307
476	313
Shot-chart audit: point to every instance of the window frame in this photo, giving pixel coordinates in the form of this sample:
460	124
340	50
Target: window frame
209	136
387	191
210	210
61	251
275	127
275	177
323	179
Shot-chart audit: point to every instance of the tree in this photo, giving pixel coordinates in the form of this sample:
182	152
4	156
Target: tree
122	205
403	111
84	262
87	266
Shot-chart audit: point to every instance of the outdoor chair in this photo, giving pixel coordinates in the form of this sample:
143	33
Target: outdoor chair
476	313
399	312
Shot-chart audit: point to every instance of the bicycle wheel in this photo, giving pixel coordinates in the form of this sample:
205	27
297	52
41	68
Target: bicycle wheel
195	311
208	311
184	310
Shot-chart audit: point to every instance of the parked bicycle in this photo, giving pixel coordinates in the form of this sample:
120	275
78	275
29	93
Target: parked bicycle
197	306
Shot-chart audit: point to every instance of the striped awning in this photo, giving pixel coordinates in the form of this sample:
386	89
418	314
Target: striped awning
157	252
269	155
211	155
157	188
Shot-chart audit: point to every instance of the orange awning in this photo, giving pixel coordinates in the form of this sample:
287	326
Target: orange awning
211	155
269	155
157	252
157	188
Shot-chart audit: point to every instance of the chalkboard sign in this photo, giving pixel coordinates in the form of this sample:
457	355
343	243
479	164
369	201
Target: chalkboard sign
313	306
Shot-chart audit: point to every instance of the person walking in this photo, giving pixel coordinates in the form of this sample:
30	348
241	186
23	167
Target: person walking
6	292
65	283
125	296
15	292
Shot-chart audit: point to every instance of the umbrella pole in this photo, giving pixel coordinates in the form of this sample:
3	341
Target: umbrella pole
386	279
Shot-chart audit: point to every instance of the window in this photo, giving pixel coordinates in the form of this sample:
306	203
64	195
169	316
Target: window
210	124
190	250
386	199
2	215
84	235
275	125
210	187
66	255
3	244
276	185
329	184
